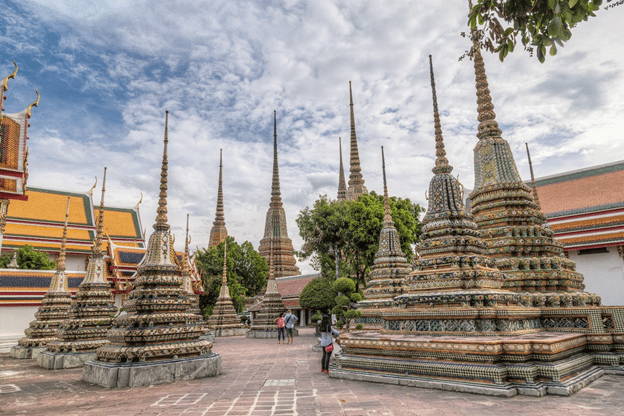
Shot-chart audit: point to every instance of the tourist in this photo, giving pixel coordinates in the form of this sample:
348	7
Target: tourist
327	342
280	327
290	320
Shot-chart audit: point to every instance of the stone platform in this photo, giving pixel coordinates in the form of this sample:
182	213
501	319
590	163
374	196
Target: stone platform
25	352
532	364
230	332
122	375
59	361
263	334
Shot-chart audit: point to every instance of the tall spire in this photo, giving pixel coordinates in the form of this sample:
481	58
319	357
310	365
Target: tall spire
161	217
276	199
186	273
356	180
97	246
442	163
533	187
60	262
387	216
218	233
342	187
488	127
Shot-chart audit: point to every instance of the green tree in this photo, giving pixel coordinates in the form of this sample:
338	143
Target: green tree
353	228
318	295
538	24
346	300
29	258
247	273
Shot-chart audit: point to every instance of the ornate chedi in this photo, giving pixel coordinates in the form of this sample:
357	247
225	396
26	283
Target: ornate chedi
276	247
269	308
356	180
461	327
342	185
390	270
511	222
224	320
218	233
90	315
53	310
157	341
186	275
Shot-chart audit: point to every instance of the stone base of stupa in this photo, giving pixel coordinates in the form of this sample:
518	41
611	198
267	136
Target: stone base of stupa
25	352
207	336
531	364
62	360
266	333
230	332
128	375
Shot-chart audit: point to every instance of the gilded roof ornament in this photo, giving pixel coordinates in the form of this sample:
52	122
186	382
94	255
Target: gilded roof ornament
5	81
139	203
93	187
35	104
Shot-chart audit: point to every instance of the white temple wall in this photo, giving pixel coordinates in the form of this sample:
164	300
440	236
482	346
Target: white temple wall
15	319
73	262
604	274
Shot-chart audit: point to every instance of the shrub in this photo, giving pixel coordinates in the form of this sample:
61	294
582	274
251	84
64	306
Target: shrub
339	324
359	327
344	285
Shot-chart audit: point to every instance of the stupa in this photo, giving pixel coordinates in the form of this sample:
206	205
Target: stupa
218	233
224	320
186	275
157	341
390	269
275	246
53	310
460	327
90	315
356	179
269	308
342	185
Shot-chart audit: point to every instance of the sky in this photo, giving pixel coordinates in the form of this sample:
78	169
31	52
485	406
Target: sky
108	69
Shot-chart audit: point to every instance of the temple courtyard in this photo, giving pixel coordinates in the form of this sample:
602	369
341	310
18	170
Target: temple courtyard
262	378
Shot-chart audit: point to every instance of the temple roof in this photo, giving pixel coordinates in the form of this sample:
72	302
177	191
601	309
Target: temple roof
38	222
27	287
585	207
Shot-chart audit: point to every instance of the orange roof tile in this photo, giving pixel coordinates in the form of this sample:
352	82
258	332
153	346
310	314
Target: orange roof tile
49	205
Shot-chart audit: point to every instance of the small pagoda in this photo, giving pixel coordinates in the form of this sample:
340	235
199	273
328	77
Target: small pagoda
52	312
157	341
269	308
390	268
90	315
224	320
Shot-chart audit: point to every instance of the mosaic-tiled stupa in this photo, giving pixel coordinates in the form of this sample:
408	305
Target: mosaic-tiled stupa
224	320
275	246
218	233
186	275
53	310
460	327
390	269
157	341
90	315
269	308
356	186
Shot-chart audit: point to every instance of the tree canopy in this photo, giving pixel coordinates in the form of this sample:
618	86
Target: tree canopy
247	273
318	295
29	258
353	228
540	25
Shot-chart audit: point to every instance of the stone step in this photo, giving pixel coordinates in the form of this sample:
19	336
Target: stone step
8	341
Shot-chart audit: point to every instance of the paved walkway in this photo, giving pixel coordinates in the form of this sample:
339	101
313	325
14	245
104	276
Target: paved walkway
263	378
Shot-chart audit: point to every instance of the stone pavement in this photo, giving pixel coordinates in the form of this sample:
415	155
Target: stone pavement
263	378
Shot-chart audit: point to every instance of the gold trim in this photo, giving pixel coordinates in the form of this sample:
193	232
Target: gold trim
5	81
36	104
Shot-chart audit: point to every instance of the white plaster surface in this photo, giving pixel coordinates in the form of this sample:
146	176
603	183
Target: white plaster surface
604	275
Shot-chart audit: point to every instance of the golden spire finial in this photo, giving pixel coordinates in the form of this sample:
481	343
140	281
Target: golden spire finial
60	262
97	247
442	163
35	104
5	81
161	217
139	203
93	187
533	186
